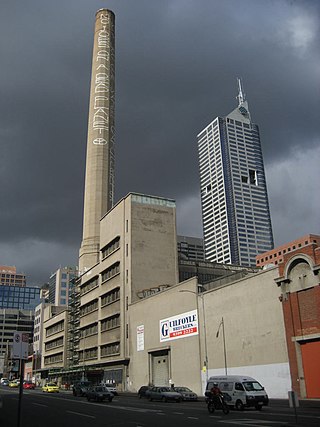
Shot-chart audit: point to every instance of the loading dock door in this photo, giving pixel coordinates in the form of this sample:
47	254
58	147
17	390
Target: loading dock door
160	370
310	351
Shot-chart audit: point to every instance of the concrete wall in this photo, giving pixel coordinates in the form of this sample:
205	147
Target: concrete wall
184	358
153	253
254	334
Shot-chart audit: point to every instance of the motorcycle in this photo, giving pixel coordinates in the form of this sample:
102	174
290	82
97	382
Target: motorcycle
217	402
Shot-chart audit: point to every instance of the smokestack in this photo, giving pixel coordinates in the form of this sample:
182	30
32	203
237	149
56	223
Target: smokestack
99	179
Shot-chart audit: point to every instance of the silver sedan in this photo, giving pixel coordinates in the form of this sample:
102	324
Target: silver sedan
164	393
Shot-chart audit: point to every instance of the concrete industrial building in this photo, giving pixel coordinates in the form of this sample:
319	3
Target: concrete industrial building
235	208
55	337
133	231
253	326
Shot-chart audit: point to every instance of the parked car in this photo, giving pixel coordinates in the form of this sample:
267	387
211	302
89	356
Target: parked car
81	388
99	393
186	393
110	388
50	388
28	385
164	393
5	382
3	379
143	391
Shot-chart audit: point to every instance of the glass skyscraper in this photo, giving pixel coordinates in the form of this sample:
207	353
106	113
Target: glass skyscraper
19	297
234	200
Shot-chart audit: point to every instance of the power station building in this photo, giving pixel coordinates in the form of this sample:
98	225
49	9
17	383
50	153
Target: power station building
131	322
133	231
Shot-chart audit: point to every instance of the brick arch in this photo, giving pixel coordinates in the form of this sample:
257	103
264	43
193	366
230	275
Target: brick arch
295	260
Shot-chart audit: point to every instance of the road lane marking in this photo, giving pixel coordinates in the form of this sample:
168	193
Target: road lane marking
79	413
193	418
39	404
252	423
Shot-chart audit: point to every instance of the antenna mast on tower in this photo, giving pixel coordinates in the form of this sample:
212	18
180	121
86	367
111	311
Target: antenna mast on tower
241	96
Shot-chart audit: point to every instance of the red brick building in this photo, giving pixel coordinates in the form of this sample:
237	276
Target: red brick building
299	280
276	255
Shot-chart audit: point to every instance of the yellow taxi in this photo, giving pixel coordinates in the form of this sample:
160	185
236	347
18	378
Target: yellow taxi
14	383
50	388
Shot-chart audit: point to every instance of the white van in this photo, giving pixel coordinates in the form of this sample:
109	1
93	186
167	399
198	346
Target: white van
240	391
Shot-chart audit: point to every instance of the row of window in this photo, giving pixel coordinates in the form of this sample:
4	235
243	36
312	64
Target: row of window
110	323
89	308
106	350
106	324
93	283
53	344
111	271
89	330
107	298
110	247
282	252
49	360
58	327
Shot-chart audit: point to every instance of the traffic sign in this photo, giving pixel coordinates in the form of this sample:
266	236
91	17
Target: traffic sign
20	345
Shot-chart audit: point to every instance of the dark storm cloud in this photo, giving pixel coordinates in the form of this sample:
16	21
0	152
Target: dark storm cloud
176	68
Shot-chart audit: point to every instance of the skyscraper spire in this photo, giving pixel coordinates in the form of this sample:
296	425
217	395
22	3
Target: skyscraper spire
241	95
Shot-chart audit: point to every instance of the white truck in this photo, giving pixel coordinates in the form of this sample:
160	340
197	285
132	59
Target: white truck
240	391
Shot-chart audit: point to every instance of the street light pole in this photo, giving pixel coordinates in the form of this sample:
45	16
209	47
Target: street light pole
224	344
205	337
224	348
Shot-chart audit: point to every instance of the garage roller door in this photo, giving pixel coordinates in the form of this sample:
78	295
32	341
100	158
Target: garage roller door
160	370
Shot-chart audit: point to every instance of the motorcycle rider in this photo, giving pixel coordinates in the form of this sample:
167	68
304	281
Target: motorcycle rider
215	393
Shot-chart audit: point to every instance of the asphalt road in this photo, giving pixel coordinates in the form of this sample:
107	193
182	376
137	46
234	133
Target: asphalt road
64	410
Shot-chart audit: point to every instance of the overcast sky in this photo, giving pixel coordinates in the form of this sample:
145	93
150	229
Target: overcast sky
176	67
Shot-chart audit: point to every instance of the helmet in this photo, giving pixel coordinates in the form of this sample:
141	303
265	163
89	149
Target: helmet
215	384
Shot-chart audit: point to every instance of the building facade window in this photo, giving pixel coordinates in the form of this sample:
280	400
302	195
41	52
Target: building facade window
89	308
110	297
110	349
110	247
110	322
88	286
110	272
58	327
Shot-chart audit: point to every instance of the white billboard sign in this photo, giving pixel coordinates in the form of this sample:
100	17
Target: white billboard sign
179	326
140	338
20	345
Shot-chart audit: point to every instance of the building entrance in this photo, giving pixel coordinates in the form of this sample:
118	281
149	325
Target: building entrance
160	368
310	351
